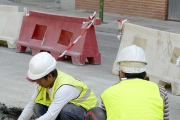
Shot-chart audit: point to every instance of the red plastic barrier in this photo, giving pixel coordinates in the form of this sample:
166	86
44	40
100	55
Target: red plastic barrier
54	33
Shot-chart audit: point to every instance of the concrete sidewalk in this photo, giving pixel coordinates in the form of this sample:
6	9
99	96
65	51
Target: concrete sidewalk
110	24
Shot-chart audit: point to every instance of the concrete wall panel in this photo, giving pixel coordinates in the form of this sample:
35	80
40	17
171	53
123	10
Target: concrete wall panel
162	50
9	8
10	24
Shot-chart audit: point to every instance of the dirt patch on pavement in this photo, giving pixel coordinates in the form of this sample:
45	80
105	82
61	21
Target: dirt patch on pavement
10	113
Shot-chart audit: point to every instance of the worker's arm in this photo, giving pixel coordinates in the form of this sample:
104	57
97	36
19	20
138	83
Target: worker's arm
28	110
164	96
62	96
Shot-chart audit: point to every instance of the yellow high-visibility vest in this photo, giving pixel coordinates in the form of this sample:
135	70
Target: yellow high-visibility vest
86	99
133	99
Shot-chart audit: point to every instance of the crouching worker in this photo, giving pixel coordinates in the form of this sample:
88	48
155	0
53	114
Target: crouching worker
58	96
133	98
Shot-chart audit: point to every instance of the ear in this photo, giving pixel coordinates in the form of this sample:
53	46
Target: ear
50	76
121	74
146	77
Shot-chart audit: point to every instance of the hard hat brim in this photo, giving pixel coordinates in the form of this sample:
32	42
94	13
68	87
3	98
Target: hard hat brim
30	80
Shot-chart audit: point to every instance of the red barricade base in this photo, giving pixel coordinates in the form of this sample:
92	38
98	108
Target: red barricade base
54	33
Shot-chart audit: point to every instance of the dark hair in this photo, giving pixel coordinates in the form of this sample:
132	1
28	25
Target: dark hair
135	75
54	73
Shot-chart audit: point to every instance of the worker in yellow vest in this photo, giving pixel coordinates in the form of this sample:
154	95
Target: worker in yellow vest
57	96
133	98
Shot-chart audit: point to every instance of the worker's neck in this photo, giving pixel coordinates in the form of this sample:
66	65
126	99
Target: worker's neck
52	84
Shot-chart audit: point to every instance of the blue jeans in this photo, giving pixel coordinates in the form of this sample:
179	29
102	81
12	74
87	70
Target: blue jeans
68	112
96	113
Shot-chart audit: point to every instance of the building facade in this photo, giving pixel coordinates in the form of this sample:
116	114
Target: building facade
158	9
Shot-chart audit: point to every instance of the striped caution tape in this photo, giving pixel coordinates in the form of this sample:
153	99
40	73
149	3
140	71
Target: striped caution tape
121	25
86	25
26	12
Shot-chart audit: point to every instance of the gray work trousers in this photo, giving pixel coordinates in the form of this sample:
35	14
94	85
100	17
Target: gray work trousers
68	112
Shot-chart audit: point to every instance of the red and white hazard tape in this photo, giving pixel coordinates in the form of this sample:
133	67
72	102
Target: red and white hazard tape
121	25
86	25
26	12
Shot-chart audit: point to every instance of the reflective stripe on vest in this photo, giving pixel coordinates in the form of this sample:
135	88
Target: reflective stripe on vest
134	99
85	96
86	99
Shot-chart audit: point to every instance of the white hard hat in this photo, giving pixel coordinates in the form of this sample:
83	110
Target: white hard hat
132	59
40	65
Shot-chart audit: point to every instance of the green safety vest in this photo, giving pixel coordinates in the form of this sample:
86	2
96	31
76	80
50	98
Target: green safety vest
133	99
86	99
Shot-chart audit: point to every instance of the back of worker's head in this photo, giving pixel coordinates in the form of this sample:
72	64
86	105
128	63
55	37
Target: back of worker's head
40	65
132	62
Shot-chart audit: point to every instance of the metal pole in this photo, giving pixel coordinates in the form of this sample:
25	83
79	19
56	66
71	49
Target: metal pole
101	7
